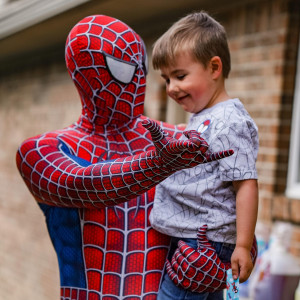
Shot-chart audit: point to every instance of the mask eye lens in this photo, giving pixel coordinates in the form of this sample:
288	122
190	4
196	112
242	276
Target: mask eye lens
120	70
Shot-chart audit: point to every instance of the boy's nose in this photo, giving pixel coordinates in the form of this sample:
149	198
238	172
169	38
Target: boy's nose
173	88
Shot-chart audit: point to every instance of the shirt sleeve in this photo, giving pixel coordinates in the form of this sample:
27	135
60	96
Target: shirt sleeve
242	137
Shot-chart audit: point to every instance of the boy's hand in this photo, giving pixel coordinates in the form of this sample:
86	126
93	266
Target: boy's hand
241	263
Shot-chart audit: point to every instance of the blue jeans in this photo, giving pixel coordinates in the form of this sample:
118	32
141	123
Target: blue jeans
169	291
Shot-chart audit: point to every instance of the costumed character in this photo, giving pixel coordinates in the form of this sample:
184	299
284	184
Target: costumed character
94	179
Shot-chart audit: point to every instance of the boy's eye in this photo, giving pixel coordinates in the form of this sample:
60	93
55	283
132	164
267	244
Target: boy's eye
180	77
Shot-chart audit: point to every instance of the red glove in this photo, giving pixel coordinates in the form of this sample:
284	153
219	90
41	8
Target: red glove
177	154
200	270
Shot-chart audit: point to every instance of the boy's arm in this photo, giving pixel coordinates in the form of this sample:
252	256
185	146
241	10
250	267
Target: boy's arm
246	216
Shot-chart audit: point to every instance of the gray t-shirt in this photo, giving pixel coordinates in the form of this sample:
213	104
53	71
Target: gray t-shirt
204	194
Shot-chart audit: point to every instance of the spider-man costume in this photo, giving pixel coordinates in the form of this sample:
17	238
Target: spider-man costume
94	179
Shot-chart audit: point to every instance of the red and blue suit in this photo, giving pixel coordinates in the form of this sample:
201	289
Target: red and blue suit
95	179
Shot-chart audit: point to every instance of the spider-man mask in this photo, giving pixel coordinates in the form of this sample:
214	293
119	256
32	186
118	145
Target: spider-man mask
108	62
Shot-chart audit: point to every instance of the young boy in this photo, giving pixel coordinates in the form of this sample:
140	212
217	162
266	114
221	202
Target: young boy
194	60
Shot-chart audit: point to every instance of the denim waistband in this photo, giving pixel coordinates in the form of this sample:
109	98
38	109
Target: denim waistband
224	250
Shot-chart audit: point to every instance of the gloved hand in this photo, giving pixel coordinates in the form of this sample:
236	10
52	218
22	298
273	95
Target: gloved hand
200	270
178	154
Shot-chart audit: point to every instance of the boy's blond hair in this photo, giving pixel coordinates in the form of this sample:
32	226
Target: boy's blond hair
198	33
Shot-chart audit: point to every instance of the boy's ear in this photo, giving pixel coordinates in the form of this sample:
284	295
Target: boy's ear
216	66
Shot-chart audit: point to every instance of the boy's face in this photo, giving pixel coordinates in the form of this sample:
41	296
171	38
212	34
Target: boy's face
190	84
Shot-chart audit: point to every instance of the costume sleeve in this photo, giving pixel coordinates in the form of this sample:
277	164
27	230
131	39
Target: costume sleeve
242	137
55	177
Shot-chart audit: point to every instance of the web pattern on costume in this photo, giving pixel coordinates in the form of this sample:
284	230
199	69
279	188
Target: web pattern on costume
122	256
200	270
110	251
89	72
50	162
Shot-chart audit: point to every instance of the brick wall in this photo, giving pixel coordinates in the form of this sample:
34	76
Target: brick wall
257	44
263	42
263	38
32	101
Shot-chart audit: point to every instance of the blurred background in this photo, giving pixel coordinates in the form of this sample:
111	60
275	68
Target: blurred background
37	95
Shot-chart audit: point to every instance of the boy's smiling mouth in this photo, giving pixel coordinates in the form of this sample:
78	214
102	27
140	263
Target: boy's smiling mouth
182	98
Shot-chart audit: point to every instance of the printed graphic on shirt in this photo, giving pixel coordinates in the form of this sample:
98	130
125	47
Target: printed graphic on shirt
204	126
